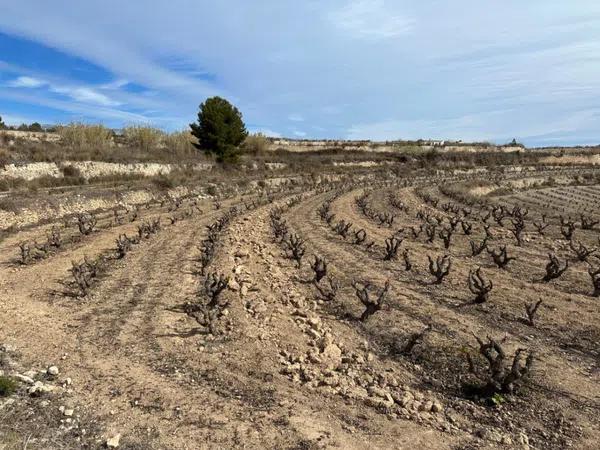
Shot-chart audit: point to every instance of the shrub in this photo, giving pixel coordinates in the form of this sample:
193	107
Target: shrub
9	204
7	386
220	129
295	248
71	171
5	158
502	374
143	137
256	144
71	176
163	182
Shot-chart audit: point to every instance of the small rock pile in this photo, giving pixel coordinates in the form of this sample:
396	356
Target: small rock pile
328	366
41	389
36	382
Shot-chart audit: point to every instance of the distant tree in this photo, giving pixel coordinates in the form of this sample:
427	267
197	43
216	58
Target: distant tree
219	129
2	124
23	127
515	143
35	127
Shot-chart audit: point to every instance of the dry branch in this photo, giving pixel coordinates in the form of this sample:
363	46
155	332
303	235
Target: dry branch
501	375
530	312
479	286
553	268
440	267
372	300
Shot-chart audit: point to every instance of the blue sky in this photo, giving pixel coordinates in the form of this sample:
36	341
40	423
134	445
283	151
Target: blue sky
357	69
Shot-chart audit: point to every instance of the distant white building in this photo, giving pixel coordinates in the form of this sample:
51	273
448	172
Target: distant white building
435	143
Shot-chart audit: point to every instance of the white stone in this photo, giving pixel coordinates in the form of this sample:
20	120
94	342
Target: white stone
24	378
113	442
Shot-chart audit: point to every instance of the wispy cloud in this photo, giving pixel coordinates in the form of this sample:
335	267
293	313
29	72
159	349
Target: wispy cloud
371	19
116	84
25	82
377	69
85	95
79	110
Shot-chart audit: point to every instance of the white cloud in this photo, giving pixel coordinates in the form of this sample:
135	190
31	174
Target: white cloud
371	19
85	95
80	110
299	133
117	84
80	93
26	82
391	67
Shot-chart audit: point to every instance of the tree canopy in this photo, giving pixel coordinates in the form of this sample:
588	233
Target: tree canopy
219	129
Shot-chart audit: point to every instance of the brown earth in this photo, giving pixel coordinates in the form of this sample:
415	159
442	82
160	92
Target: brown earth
285	369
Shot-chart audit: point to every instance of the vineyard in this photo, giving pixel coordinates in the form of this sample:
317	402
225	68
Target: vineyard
384	311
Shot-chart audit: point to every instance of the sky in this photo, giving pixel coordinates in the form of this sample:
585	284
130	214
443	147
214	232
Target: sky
339	69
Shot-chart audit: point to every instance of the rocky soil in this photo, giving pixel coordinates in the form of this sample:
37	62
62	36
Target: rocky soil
135	364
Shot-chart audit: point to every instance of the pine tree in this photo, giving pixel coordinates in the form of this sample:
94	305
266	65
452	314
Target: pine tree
35	126
219	129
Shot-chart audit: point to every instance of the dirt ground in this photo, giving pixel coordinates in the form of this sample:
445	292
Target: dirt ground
283	368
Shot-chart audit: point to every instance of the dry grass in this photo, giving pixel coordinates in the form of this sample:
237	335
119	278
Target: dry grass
79	136
256	144
143	137
179	143
81	142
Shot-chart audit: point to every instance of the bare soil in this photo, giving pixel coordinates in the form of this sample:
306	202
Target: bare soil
285	369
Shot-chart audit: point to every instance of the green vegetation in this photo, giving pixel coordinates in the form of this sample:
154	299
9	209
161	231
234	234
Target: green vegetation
220	130
35	127
514	143
7	386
